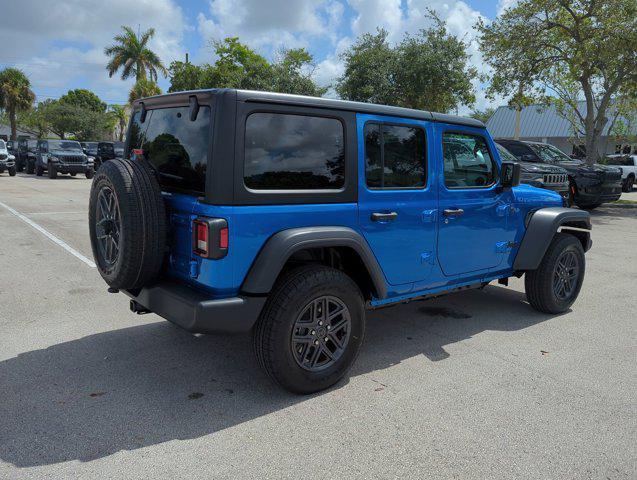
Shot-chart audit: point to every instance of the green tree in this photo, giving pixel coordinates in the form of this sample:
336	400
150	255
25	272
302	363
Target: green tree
143	89
238	66
34	121
15	96
572	51
370	65
131	53
483	115
427	71
187	76
84	99
119	114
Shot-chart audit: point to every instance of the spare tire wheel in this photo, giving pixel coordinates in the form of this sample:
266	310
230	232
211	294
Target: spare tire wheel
127	224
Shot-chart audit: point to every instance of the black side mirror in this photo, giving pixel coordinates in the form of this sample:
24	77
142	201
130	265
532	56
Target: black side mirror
510	174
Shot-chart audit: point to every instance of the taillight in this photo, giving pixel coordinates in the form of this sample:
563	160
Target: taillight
210	237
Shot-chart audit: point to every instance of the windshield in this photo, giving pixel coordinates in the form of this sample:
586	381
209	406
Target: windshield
65	145
549	153
505	155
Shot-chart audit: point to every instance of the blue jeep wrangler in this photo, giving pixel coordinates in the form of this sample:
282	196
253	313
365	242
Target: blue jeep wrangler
289	216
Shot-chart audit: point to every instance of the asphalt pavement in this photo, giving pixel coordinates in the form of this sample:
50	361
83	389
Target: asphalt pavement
474	385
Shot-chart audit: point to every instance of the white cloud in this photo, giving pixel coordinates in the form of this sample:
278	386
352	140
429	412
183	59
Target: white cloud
63	44
272	25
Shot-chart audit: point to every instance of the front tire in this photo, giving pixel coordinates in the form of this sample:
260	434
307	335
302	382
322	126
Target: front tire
39	170
311	329
90	173
556	283
30	168
53	173
592	206
12	172
628	184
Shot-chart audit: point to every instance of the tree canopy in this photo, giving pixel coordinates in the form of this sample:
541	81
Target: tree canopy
566	53
238	66
131	54
426	71
15	95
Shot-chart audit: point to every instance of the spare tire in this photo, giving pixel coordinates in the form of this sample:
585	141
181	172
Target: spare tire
127	224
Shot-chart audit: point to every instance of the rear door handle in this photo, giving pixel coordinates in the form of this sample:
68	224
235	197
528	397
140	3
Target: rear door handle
384	217
453	212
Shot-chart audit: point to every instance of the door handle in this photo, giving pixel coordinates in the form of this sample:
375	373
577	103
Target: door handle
384	217
453	212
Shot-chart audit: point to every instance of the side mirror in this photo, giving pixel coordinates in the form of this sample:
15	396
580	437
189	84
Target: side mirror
510	175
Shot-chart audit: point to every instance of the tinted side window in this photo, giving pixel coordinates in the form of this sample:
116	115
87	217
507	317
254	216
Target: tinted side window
467	161
518	149
293	152
395	156
178	147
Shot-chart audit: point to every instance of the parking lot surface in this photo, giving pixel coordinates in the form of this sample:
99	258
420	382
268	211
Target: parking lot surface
474	385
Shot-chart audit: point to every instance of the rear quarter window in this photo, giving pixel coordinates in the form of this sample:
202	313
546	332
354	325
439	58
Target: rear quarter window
293	152
175	146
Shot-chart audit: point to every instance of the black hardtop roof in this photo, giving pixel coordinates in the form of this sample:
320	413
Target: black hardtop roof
319	102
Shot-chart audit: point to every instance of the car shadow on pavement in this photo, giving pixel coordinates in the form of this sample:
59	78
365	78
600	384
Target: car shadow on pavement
144	385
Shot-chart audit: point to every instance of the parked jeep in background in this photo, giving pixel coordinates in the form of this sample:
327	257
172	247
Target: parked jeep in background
108	151
590	186
89	148
62	156
31	156
22	152
628	166
541	175
7	160
289	216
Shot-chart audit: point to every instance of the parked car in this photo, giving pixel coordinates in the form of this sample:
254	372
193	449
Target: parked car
31	156
89	148
108	151
541	175
12	147
590	186
7	160
22	153
62	156
317	210
628	166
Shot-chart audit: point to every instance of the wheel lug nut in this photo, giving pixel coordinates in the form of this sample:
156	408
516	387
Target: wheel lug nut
313	332
329	327
321	322
326	339
316	342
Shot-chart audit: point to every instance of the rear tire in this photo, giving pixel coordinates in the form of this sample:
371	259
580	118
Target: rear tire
127	224
53	173
628	184
12	172
90	173
556	283
296	351
30	168
39	171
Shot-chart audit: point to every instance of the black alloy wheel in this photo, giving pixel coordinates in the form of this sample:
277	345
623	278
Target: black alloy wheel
321	333
108	226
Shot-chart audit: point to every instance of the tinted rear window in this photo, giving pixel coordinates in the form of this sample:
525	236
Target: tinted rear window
176	146
293	152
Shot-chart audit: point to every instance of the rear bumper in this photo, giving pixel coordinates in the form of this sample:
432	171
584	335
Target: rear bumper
195	311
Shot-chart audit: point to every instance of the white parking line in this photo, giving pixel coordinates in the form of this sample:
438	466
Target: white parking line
50	236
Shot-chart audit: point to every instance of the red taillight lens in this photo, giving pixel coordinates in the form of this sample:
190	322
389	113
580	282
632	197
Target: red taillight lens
223	238
201	238
210	237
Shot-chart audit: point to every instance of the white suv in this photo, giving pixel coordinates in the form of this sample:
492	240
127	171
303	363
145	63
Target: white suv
7	161
628	166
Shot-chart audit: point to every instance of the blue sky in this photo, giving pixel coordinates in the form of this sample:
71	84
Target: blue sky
63	48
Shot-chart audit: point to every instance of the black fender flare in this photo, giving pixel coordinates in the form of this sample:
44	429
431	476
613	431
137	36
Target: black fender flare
277	250
542	225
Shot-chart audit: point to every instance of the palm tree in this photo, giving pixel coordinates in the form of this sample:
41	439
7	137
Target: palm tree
15	95
131	54
120	115
143	89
